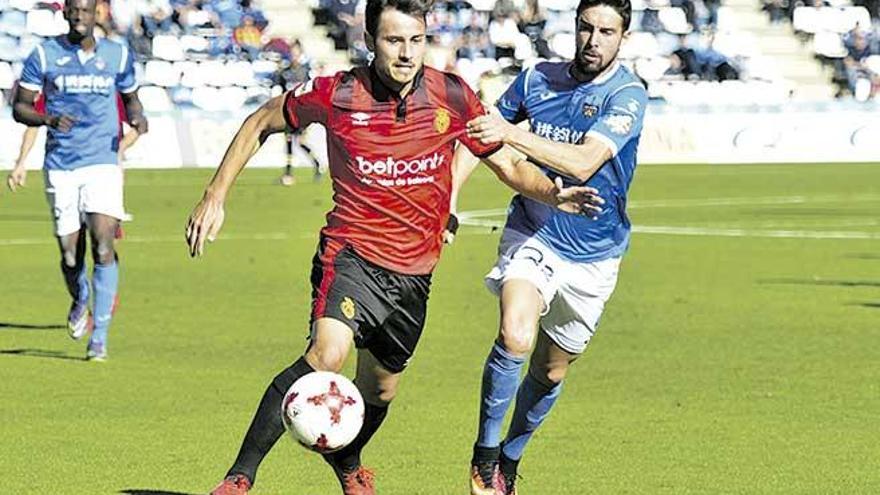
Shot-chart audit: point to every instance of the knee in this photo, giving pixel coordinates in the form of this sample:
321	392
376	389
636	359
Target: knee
377	394
517	335
549	376
104	253
68	257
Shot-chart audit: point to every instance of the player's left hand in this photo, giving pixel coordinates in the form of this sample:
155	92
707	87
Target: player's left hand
16	178
579	200
204	223
490	128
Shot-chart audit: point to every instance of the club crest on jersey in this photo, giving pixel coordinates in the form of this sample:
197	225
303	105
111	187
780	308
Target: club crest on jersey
441	120
590	110
347	307
100	64
360	119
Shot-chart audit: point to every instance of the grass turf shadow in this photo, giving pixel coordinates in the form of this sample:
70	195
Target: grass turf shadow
39	353
9	325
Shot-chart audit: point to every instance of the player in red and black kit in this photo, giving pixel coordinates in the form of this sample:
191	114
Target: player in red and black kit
391	132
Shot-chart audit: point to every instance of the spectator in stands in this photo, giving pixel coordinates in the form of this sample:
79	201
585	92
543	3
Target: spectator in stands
228	13
248	9
705	64
295	68
532	21
858	50
155	16
192	16
475	44
776	9
504	33
248	37
712	7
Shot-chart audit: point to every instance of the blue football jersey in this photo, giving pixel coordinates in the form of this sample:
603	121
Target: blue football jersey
611	109
82	85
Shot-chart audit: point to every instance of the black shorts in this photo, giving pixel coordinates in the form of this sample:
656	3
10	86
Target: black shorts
385	309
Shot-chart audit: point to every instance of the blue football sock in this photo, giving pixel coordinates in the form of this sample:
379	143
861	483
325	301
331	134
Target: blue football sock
105	280
500	378
533	403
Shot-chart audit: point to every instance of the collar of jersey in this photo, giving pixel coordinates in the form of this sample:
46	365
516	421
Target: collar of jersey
600	79
381	92
82	55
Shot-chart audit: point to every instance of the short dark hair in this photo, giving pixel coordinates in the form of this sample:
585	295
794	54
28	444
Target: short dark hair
622	7
415	8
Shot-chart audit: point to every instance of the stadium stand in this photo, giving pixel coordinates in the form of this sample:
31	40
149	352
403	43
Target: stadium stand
689	52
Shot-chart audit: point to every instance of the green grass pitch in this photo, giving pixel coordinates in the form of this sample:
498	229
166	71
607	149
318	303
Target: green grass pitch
739	354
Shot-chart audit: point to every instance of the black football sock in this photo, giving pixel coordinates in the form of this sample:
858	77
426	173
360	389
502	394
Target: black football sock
267	425
508	466
349	458
483	455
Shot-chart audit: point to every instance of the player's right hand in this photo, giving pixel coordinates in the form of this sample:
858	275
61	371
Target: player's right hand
62	123
578	200
16	178
204	223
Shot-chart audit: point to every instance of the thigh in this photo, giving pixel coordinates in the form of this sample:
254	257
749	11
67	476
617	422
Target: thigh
525	258
329	344
63	196
342	289
394	342
102	190
574	315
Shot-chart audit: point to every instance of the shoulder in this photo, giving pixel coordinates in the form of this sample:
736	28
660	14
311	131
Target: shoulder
627	81
433	77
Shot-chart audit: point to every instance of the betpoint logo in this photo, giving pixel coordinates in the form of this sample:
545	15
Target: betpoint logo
390	167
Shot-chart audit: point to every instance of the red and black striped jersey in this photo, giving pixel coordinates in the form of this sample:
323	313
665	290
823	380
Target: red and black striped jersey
390	160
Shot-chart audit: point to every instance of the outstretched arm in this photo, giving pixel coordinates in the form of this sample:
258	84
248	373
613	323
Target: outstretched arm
207	217
527	179
579	161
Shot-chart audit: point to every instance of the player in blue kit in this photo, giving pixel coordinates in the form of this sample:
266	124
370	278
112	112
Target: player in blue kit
79	77
555	271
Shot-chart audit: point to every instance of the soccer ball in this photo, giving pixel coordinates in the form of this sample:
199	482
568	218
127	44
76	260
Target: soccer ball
323	411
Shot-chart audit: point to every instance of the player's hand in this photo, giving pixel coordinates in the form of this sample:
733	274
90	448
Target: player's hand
16	178
204	223
490	128
61	123
140	124
580	200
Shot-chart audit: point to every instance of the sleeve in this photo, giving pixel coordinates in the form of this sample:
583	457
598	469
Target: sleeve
474	108
512	102
125	79
33	70
309	102
621	118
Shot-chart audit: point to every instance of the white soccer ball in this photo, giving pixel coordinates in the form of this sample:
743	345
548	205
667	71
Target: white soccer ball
323	411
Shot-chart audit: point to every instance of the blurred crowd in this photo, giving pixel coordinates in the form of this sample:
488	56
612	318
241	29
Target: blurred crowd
845	37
